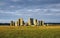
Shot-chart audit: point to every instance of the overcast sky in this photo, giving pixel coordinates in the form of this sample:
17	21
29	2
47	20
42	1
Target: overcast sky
47	10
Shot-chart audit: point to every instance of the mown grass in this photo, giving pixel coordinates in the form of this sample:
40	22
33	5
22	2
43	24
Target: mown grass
30	32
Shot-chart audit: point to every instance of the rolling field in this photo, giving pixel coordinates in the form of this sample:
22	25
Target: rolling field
30	32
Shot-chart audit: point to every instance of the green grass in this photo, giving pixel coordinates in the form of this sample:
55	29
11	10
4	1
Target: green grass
30	32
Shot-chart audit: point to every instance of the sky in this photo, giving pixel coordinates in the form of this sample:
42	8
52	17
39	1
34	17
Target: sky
46	10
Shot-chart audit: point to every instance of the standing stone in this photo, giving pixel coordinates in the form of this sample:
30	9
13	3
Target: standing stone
35	21
42	23
39	23
16	23
26	24
12	23
30	21
20	22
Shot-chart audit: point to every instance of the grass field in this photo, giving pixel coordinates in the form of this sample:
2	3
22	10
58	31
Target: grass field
30	32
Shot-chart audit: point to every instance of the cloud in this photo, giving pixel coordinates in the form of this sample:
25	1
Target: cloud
35	13
5	20
40	9
26	12
54	6
12	6
16	0
2	3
